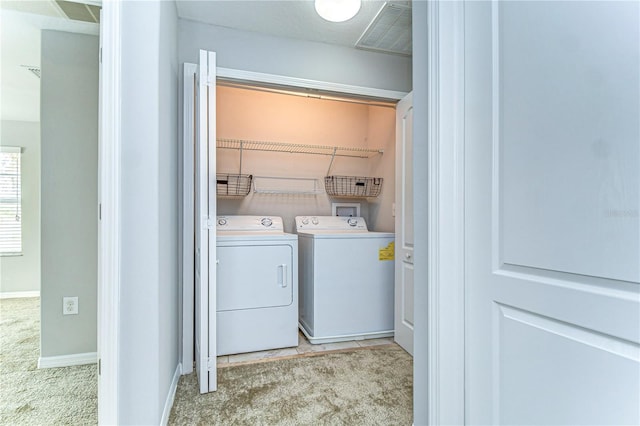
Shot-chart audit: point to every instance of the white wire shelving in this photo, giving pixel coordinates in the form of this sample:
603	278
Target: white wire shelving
294	148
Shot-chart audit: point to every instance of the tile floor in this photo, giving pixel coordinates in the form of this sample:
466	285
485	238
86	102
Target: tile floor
304	348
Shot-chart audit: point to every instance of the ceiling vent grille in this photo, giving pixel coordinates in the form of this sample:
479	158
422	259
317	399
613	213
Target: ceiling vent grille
390	31
80	11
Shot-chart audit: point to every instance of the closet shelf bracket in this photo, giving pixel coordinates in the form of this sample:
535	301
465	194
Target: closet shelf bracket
241	149
333	156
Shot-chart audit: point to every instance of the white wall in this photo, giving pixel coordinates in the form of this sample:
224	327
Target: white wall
294	58
69	206
22	273
260	116
381	133
168	198
149	205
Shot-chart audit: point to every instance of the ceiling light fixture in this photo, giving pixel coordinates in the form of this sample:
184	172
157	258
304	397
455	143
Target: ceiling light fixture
337	10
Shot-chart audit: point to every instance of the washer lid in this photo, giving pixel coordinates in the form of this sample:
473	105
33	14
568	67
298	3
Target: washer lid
261	224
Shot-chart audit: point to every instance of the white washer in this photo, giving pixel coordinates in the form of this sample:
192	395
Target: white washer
346	279
257	282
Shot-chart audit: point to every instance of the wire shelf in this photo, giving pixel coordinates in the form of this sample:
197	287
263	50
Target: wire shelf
233	185
352	186
297	148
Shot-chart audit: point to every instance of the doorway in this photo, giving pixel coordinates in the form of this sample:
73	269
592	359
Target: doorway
265	85
60	189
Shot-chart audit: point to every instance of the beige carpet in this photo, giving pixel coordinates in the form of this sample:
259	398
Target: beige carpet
29	396
370	386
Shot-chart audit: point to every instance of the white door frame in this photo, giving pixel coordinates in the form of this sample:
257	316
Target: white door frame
438	99
258	78
251	78
109	221
187	217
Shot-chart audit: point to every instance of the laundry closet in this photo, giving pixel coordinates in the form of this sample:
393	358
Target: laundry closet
294	174
272	152
272	138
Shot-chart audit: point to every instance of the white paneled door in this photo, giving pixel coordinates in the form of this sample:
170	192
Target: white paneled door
551	212
205	207
404	225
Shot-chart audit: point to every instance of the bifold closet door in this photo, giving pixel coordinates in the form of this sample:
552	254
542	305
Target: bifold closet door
205	214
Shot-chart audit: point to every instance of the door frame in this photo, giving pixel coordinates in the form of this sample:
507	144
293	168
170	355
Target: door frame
256	79
109	174
187	219
438	101
261	79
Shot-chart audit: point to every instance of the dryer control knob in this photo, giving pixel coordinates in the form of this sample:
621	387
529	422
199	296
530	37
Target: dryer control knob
315	221
222	222
352	221
266	221
305	221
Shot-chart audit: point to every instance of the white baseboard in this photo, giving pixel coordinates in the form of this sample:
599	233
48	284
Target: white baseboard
68	360
19	294
171	396
185	367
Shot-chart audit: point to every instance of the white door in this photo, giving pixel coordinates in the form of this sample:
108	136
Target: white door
551	212
404	225
205	253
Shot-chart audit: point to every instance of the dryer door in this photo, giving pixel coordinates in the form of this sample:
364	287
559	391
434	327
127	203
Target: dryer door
254	276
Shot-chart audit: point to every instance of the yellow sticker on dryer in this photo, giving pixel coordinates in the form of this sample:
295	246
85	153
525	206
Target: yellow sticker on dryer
388	252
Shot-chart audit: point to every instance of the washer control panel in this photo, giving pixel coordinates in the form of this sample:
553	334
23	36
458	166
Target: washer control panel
249	223
330	223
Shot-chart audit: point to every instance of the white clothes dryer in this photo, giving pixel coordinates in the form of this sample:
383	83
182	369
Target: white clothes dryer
346	279
257	284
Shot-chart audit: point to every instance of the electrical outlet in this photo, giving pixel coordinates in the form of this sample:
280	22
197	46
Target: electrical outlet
69	306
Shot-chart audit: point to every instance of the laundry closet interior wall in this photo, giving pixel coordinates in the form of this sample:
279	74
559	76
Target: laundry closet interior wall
375	126
254	115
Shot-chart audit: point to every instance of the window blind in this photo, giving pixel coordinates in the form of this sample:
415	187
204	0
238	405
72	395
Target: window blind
10	201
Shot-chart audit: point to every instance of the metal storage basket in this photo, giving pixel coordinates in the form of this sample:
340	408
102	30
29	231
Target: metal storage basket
233	185
352	186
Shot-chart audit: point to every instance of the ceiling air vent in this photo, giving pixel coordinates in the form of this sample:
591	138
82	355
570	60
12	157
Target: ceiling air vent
80	11
390	31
